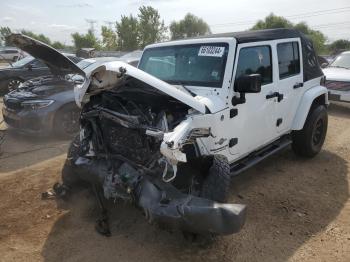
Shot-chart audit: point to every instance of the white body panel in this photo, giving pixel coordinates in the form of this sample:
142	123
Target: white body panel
255	124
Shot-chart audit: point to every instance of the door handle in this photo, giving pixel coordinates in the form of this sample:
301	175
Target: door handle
298	85
275	94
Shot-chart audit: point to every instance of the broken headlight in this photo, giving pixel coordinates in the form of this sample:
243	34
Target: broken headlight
36	104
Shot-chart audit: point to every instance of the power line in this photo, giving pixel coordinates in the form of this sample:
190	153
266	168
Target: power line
295	16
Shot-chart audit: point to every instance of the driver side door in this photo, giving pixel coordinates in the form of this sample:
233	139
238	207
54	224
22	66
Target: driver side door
255	123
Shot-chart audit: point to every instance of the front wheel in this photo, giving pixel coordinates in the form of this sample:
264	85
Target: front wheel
308	142
216	185
13	84
66	123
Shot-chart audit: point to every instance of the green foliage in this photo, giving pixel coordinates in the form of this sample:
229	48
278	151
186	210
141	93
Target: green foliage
273	21
127	32
87	40
190	26
109	38
151	28
58	45
40	37
4	32
339	45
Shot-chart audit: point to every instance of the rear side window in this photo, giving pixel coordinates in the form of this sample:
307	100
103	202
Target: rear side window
288	59
255	60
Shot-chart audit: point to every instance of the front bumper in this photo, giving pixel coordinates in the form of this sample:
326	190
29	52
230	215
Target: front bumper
164	204
29	121
339	96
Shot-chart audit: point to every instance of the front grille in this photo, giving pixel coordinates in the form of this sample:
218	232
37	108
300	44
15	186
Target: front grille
338	85
13	104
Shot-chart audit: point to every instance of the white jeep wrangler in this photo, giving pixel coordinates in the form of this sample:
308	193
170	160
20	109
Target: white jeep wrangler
170	134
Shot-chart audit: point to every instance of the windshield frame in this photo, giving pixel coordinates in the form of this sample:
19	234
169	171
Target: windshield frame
217	84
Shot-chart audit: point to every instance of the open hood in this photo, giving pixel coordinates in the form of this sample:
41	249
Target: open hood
57	62
106	76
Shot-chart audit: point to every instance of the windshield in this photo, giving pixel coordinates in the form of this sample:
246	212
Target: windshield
23	61
196	65
342	61
85	63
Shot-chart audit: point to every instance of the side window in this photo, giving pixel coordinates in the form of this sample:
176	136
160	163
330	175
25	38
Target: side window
255	60
288	59
38	64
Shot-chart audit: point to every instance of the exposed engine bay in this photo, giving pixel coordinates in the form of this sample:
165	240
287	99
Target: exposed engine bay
137	144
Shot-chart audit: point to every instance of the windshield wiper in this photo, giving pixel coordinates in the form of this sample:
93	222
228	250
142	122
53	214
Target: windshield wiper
184	87
340	67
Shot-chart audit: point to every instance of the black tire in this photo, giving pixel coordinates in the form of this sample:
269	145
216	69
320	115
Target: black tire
69	174
216	185
308	142
66	122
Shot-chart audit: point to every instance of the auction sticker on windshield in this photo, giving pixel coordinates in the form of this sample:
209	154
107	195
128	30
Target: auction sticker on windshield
216	51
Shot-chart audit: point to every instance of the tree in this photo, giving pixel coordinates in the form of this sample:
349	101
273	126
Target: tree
85	40
273	21
109	38
127	33
339	45
39	37
58	45
4	32
151	27
190	26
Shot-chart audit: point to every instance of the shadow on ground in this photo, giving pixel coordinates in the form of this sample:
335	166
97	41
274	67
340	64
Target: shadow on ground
289	200
18	150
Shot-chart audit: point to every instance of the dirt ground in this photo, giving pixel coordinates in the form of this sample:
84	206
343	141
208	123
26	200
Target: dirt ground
299	210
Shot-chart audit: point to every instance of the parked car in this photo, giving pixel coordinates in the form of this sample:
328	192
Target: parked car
10	54
169	140
46	105
27	68
338	78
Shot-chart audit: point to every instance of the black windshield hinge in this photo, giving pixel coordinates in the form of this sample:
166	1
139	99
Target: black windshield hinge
233	142
233	112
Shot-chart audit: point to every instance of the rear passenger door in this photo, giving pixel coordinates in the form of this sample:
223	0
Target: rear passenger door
289	82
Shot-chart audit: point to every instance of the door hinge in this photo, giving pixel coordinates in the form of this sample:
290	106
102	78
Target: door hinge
233	142
233	112
279	121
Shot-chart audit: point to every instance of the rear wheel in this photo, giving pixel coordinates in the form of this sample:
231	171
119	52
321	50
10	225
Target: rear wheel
308	142
66	123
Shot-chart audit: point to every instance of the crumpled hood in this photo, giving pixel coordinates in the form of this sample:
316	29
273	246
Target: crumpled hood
337	74
107	76
57	62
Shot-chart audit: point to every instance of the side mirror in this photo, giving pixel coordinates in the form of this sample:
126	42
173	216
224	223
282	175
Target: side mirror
324	65
248	84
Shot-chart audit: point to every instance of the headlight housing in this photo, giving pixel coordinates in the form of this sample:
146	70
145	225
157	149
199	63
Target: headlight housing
36	104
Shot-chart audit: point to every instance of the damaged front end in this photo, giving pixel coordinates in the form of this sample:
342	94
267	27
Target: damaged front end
139	142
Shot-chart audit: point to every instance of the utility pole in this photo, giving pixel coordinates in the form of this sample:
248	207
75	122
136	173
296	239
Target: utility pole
110	24
92	23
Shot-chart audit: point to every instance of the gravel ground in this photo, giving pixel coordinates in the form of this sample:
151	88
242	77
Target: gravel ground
299	210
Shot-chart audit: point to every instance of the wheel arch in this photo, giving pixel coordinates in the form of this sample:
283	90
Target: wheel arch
59	111
317	95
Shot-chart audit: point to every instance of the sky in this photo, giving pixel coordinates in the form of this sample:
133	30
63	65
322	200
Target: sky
59	19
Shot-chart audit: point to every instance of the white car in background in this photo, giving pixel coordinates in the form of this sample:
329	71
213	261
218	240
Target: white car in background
10	54
338	78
